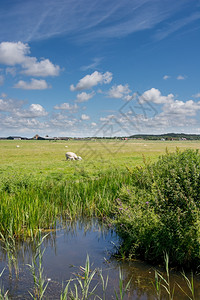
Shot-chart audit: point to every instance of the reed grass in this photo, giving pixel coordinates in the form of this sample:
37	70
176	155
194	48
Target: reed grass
40	282
38	204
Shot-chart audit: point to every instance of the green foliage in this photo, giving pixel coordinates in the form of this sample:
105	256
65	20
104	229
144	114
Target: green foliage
160	211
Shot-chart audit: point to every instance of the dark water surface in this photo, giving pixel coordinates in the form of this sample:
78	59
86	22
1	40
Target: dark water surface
66	250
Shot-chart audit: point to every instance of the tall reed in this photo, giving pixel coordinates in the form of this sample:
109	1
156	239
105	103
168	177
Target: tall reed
39	203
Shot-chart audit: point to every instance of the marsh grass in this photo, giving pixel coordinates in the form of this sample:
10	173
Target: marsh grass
40	281
81	288
9	245
38	204
3	295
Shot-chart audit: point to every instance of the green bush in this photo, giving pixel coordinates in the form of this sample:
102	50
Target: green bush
160	211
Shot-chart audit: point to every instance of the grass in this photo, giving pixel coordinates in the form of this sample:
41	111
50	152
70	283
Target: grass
43	159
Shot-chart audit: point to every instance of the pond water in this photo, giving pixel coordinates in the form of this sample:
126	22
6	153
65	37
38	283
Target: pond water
66	250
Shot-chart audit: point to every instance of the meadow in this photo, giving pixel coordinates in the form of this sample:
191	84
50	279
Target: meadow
46	159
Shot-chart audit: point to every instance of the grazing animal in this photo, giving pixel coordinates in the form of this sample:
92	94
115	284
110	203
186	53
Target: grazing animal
72	156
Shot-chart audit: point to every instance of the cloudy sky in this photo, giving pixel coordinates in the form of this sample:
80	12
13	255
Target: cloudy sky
99	67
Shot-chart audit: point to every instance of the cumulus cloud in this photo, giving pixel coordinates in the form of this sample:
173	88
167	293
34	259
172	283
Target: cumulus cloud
94	79
67	106
84	97
43	68
84	117
165	77
177	107
154	95
17	53
15	108
34	110
35	84
118	91
12	54
180	77
10	105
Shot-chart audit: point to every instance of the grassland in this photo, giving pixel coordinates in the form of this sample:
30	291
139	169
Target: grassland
38	185
44	159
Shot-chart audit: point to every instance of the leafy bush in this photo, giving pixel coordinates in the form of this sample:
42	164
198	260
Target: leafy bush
160	211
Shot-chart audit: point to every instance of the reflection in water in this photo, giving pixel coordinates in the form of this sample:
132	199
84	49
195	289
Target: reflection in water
66	250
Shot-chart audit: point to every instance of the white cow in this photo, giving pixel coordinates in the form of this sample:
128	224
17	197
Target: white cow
72	156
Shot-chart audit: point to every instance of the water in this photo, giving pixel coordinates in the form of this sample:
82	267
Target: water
66	250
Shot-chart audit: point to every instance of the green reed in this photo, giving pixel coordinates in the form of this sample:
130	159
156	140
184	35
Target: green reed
40	282
38	204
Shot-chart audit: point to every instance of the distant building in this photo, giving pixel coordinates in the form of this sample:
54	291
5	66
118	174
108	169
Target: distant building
63	138
37	137
16	138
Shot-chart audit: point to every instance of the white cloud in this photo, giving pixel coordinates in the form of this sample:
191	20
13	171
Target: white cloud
197	95
10	105
180	77
94	124
35	84
42	68
94	79
165	77
177	107
67	106
34	110
118	91
84	97
84	117
12	54
154	95
1	79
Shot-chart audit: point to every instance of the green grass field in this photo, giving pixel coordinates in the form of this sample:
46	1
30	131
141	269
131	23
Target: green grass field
47	158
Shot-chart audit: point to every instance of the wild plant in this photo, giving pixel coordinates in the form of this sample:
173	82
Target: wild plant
104	283
122	290
3	295
37	271
81	289
160	281
190	284
9	243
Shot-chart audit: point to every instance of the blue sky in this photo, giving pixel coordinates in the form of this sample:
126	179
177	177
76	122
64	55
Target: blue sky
99	67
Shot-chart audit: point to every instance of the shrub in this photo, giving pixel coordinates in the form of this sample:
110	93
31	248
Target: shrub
160	211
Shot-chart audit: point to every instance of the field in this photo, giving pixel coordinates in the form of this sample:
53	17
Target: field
46	159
